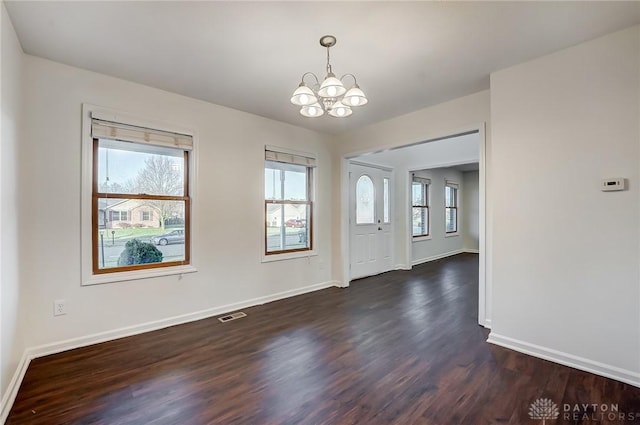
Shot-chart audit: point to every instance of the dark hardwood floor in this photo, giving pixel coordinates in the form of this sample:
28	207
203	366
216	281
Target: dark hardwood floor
399	348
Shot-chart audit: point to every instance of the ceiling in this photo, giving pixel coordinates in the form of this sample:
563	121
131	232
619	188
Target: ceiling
250	55
461	152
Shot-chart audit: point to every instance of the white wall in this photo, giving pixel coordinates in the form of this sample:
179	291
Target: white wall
11	341
228	207
439	244
566	273
441	120
471	210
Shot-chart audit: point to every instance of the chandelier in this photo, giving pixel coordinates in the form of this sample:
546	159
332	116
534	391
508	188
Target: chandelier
331	96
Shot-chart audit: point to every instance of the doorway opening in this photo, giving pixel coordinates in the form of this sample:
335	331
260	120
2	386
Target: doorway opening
438	170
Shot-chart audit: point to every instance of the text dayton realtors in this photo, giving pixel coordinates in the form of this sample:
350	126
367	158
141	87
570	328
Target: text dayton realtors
596	412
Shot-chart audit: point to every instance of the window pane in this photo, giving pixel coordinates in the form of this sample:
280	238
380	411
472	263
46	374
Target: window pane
365	202
295	184
450	219
124	240
134	168
420	221
285	181
386	200
287	227
450	196
416	194
272	184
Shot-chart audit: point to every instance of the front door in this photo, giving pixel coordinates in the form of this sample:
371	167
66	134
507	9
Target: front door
370	220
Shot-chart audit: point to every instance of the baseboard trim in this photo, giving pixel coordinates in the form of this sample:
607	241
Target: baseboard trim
471	251
70	344
566	359
436	257
401	267
12	390
487	323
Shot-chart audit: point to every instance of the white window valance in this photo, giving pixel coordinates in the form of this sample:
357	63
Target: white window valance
422	180
289	158
104	129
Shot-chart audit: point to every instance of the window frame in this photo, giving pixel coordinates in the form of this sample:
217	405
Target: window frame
96	195
88	277
312	176
426	190
455	206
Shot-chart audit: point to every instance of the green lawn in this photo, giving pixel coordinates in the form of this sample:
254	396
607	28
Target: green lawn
271	231
133	232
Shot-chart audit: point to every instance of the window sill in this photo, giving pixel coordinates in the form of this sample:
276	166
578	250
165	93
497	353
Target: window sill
422	238
288	256
99	279
450	235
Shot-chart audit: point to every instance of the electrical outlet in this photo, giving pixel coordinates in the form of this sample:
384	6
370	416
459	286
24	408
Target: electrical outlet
59	307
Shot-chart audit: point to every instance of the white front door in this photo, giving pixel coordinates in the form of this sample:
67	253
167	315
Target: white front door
370	220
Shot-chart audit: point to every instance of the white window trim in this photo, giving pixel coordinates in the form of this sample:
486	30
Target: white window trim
314	211
88	278
422	238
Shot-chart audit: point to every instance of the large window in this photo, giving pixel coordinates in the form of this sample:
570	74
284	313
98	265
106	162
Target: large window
140	198
420	206
451	207
288	202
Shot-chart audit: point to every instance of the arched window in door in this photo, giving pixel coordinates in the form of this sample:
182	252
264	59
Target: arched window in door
365	201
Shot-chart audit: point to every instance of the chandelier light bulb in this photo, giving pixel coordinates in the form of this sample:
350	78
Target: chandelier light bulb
340	110
355	97
303	96
312	111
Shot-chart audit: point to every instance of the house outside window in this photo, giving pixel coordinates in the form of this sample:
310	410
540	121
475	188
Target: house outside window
288	202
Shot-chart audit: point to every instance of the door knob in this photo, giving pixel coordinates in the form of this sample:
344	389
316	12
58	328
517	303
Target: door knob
379	228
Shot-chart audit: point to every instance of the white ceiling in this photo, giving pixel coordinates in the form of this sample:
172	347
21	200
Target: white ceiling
250	55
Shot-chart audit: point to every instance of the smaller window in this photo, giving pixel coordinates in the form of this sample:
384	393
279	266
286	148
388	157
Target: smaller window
385	195
420	206
118	216
144	216
451	207
288	198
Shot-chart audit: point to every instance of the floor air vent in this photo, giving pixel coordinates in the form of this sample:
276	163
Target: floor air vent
232	316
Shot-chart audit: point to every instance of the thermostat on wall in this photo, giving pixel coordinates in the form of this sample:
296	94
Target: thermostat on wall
612	185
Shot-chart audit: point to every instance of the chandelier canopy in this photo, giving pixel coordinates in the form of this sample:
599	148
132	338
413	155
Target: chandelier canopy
331	96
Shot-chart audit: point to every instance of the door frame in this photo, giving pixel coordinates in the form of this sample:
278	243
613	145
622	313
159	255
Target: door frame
392	226
485	254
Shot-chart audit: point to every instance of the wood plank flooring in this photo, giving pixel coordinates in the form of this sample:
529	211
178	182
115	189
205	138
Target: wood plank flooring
399	348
